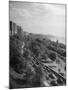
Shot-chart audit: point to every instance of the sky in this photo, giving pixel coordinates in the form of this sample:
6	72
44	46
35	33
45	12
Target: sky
40	18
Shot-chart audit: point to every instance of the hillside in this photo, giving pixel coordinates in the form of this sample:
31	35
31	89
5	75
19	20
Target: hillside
35	60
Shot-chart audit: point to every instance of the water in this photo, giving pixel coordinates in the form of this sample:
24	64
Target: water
60	39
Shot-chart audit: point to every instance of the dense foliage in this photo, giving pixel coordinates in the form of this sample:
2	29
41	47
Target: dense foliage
25	70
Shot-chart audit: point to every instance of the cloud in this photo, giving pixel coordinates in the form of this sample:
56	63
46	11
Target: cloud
56	9
39	18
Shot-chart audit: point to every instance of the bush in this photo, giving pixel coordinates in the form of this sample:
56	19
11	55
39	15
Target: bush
52	56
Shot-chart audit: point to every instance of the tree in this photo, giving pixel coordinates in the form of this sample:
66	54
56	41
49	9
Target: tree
35	48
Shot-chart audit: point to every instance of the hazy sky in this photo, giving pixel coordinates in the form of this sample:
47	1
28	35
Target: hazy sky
39	17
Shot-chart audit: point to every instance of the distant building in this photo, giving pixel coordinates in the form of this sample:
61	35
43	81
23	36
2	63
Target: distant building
13	28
